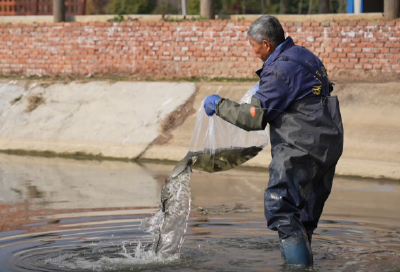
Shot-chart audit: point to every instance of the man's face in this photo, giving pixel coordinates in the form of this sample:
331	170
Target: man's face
262	50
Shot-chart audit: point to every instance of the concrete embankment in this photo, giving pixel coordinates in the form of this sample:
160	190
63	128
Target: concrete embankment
155	120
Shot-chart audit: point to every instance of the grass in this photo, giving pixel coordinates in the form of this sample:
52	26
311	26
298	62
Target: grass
167	18
185	18
34	101
16	100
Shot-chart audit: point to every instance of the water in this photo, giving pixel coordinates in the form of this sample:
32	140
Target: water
67	215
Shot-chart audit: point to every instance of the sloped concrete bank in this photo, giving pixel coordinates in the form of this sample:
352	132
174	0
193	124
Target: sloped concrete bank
115	120
155	120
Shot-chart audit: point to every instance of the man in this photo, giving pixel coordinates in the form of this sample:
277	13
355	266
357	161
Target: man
305	129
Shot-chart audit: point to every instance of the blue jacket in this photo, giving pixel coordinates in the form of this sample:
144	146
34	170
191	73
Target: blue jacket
289	74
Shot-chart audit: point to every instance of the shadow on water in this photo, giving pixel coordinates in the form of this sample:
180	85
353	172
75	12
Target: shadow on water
66	215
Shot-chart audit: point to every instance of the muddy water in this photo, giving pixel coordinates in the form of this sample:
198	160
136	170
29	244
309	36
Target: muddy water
67	215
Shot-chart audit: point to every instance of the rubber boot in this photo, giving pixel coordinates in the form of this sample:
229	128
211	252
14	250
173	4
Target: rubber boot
297	251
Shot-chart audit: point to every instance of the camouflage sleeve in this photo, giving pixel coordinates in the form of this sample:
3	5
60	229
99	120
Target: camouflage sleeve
246	116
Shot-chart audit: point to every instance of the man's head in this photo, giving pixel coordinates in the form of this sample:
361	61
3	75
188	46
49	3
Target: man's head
265	34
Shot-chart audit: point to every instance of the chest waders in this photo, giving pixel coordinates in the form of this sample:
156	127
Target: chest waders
306	135
306	144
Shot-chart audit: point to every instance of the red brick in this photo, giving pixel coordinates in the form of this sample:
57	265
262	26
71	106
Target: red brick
74	52
367	66
351	55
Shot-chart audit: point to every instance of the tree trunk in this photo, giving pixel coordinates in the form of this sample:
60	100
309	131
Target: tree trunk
310	3
340	9
391	9
243	6
59	11
284	6
323	6
300	6
184	11
262	6
207	9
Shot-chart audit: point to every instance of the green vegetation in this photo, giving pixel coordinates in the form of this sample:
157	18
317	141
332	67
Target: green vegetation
173	19
228	7
132	6
118	18
181	19
222	7
96	7
193	7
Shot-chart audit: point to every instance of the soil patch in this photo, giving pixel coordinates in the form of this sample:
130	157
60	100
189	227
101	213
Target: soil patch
34	101
174	120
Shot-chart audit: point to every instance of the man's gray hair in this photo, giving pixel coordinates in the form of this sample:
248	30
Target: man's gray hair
267	28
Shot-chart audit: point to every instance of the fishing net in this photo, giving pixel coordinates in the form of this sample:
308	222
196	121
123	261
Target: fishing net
219	145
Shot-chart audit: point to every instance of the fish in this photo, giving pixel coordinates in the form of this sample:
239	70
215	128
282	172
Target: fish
169	224
175	206
220	159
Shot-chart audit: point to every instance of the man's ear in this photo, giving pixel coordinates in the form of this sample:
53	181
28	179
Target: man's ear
267	44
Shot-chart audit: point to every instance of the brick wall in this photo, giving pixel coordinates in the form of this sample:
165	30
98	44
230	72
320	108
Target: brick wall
188	49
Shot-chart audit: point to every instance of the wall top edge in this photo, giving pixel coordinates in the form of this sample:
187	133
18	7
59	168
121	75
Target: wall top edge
177	18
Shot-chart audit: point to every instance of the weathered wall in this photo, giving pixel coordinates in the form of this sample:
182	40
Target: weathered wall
188	49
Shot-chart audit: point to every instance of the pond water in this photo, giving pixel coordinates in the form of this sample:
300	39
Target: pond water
71	215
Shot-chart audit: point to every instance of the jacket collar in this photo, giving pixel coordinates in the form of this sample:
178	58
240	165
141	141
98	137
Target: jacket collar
277	52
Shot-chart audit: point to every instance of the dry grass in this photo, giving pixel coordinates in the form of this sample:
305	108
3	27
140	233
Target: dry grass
34	101
16	100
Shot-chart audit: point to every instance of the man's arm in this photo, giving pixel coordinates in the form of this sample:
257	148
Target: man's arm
272	98
246	116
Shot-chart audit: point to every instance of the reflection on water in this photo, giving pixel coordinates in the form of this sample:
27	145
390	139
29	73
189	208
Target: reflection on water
67	215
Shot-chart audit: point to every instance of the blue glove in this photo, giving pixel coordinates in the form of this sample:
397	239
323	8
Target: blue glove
210	103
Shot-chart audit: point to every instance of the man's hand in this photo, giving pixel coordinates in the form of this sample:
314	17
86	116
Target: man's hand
210	103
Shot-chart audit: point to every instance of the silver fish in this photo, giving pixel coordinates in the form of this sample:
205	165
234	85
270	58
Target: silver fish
175	210
168	225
